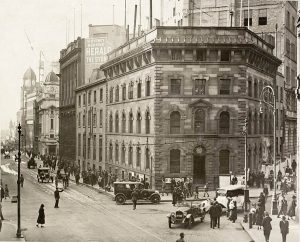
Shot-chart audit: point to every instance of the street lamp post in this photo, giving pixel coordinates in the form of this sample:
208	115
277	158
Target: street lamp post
269	90
19	235
246	192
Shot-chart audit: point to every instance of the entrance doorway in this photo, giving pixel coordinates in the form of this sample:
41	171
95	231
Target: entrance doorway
199	169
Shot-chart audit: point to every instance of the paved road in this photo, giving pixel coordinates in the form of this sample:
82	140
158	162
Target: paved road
86	215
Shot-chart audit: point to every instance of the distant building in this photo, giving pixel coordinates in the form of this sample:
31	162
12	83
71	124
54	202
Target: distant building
47	112
77	62
177	99
25	115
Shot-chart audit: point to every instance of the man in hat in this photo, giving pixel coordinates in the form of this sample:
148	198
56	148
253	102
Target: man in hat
134	198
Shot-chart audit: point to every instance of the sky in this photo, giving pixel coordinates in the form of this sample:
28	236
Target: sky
44	22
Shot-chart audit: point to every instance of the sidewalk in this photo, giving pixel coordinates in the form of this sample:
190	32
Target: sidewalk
8	232
258	235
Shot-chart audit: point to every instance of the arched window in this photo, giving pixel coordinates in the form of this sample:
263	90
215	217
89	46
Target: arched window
130	151
117	123
123	122
130	91
148	82
175	122
147	122
124	92
130	123
138	122
175	161
110	123
110	151
249	87
199	121
224	122
139	90
147	154
117	153
111	95
224	161
138	156
117	94
123	154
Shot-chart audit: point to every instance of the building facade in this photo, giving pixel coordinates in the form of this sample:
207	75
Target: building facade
90	123
274	21
77	62
47	113
177	99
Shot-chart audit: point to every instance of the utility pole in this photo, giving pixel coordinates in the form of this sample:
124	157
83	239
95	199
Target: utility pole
19	235
125	15
246	191
150	14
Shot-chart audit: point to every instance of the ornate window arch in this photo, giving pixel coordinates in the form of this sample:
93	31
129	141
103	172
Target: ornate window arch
117	122
116	152
147	158
175	122
147	121
250	94
138	156
139	89
138	122
130	154
110	152
123	122
111	123
117	93
130	123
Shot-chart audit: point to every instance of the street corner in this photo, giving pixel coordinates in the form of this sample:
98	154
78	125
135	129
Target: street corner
8	232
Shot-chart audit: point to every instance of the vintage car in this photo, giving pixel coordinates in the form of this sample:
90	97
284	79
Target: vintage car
44	175
123	191
236	192
31	163
188	215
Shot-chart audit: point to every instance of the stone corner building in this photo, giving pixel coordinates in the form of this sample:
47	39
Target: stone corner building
177	101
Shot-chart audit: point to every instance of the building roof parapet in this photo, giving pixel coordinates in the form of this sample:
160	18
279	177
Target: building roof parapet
71	46
189	35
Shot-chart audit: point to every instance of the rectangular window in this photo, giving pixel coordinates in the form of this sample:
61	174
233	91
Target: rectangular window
100	148
83	120
176	54
246	18
79	119
293	25
79	101
213	55
287	19
101	117
79	144
287	47
52	124
293	77
89	98
84	145
124	92
94	147
89	148
277	119
201	55
148	88
293	52
84	99
89	118
225	86
95	96
199	86
175	86
225	55
94	120
174	12
287	75
101	95
262	17
281	94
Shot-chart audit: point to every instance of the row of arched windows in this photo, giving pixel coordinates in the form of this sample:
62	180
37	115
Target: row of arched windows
260	123
114	92
118	123
199	122
122	154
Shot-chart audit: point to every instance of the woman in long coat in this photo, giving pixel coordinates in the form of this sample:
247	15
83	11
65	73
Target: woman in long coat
291	212
233	215
259	216
41	217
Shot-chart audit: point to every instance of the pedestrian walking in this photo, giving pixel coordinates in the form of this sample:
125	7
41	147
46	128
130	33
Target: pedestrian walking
291	212
6	192
233	215
134	197
206	190
259	216
266	223
22	180
284	228
77	177
1	214
41	217
218	213
174	196
2	193
57	197
181	239
283	207
212	213
196	192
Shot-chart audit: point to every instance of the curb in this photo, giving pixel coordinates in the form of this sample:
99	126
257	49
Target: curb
244	228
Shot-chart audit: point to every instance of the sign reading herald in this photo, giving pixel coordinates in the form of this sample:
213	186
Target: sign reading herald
96	50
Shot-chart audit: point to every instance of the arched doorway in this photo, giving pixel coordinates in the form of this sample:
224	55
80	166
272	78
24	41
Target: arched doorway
199	165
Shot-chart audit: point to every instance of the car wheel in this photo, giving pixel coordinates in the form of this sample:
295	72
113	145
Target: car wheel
120	199
170	223
155	199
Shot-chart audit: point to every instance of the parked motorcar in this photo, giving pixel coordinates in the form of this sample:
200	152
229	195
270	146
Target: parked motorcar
31	163
123	191
188	215
236	192
44	175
